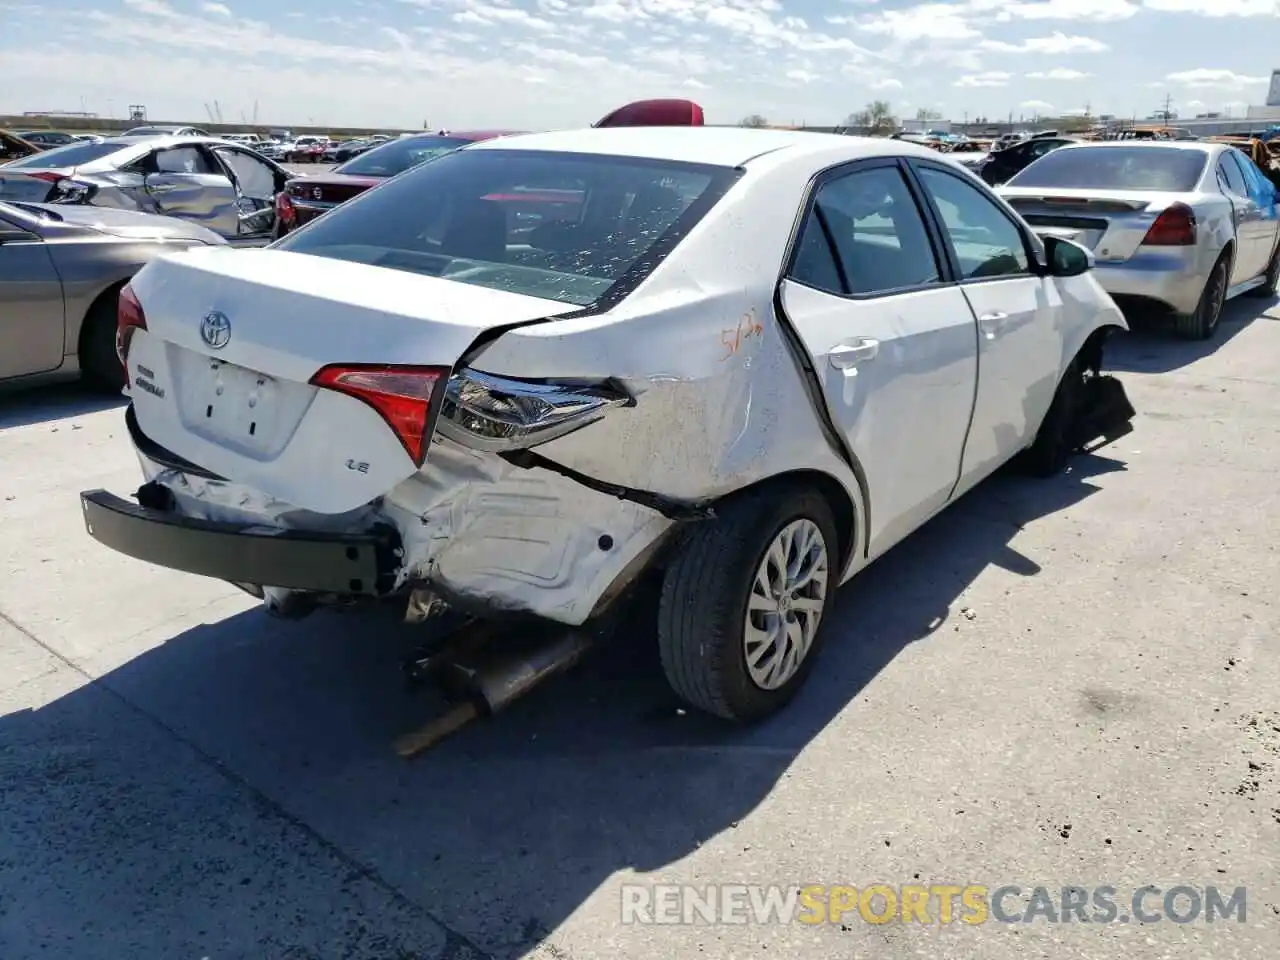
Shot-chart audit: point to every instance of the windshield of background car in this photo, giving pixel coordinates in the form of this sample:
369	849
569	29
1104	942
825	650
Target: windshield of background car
72	155
399	155
1166	169
559	226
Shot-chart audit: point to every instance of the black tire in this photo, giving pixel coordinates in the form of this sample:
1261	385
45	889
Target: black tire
99	365
1203	322
1055	440
702	613
1271	279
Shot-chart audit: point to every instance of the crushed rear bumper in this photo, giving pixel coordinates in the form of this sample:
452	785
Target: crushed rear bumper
343	564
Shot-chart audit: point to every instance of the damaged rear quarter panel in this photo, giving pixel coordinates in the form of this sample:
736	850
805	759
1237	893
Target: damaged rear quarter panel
720	404
720	395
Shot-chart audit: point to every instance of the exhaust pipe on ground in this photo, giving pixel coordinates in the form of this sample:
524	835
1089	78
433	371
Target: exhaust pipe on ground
490	686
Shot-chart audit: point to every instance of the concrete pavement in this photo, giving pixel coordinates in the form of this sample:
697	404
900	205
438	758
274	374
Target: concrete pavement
1062	682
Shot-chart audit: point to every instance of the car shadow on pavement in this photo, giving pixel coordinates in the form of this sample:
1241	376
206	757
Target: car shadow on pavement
42	404
1150	346
505	830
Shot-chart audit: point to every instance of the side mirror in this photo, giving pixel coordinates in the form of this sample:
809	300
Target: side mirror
1066	258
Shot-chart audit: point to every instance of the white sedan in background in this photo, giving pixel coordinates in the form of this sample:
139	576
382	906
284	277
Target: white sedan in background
1179	226
749	360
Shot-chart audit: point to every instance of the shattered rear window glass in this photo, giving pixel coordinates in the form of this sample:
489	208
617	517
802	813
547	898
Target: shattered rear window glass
558	226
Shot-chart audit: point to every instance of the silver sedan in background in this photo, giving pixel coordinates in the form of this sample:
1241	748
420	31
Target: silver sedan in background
223	186
61	270
1179	226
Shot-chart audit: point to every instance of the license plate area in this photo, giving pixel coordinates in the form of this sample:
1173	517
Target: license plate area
234	406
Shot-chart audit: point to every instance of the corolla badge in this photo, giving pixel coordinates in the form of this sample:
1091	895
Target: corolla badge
215	330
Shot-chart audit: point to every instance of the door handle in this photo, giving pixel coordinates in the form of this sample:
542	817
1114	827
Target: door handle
848	355
992	323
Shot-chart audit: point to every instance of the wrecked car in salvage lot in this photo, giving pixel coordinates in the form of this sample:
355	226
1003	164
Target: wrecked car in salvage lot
754	360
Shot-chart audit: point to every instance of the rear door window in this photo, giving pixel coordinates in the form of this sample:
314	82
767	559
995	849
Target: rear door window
865	236
190	160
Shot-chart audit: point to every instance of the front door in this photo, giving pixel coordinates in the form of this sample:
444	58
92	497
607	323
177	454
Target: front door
32	318
893	344
1019	314
255	185
185	182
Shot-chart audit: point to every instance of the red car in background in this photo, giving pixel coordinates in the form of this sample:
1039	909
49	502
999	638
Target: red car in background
308	197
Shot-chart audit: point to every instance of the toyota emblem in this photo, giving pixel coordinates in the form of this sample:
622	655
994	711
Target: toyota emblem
317	193
215	330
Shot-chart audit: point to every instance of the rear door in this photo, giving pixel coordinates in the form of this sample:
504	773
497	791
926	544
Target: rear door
1247	215
892	339
255	184
32	318
188	183
1257	232
1019	313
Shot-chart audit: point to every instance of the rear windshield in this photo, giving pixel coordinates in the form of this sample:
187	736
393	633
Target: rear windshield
567	227
148	132
1171	169
399	155
72	155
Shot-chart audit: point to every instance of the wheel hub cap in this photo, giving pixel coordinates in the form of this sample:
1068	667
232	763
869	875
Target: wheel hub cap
785	606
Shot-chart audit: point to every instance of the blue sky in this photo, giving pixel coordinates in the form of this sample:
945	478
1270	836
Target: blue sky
554	63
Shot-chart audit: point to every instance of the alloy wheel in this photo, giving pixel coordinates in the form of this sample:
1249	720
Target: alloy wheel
785	606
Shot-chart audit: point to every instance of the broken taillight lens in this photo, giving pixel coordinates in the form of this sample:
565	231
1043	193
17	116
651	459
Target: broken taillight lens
401	395
129	318
493	413
1175	227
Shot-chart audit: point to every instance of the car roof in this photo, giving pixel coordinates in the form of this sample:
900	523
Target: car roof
716	146
1146	145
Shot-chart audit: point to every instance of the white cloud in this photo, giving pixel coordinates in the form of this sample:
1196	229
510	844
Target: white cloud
217	9
1204	78
887	84
1036	106
801	76
1058	73
1055	44
991	78
929	21
1097	11
1217	8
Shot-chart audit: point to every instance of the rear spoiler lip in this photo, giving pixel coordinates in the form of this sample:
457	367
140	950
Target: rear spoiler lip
1057	200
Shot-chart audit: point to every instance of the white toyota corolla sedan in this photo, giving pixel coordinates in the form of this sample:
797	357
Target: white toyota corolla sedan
516	378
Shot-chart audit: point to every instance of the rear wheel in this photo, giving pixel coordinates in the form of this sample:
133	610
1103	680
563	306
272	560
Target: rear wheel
743	602
1271	279
1202	323
99	365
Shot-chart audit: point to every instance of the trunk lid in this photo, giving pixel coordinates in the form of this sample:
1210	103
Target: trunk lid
1111	223
246	409
330	187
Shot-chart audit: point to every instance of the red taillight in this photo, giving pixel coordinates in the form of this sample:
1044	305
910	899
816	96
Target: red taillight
129	317
401	395
1175	227
285	209
49	177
